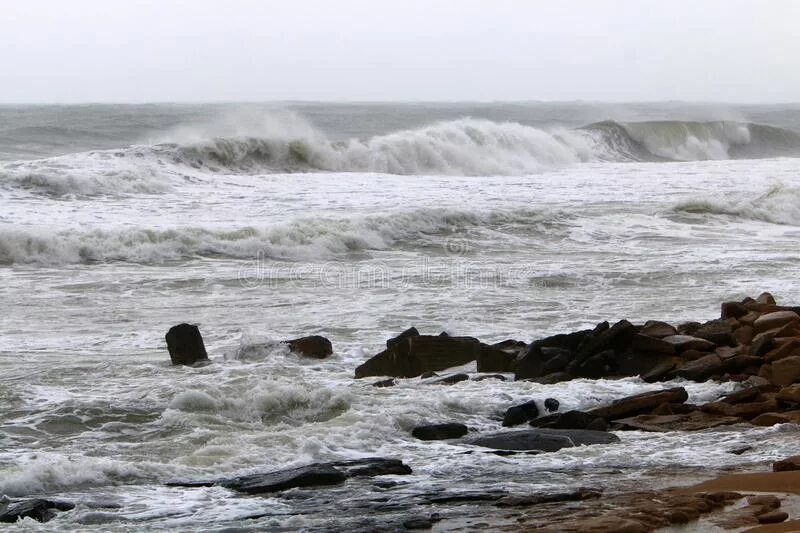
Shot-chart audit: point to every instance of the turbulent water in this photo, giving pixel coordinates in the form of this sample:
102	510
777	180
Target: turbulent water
268	222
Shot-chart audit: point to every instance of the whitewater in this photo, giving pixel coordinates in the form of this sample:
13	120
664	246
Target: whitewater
262	223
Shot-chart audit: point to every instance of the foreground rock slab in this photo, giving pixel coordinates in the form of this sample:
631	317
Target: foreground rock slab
38	509
185	345
543	440
449	430
313	475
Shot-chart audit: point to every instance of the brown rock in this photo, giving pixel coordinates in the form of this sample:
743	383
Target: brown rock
786	371
741	362
733	310
693	355
694	421
769	419
743	334
717	331
660	371
742	410
701	369
654	328
767	501
775	320
687	342
787	465
766	298
762	343
314	346
414	355
785	349
772	517
640	403
789	394
646	343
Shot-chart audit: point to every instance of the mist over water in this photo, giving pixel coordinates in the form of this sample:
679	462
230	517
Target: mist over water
263	223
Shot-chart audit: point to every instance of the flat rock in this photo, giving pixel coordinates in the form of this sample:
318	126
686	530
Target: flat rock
786	371
652	344
700	369
315	346
658	329
543	440
519	414
39	509
639	403
448	430
415	355
775	320
694	421
688	342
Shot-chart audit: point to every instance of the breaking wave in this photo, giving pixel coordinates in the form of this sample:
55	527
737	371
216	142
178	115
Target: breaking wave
780	204
465	147
304	239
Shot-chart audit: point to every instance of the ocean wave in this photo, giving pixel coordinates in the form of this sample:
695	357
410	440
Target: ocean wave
780	204
464	147
303	239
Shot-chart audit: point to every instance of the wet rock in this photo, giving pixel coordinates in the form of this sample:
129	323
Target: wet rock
719	332
185	345
420	523
372	467
775	320
700	369
733	310
660	371
790	394
694	421
571	420
519	414
551	379
688	342
655	328
787	465
499	377
786	371
410	332
772	517
315	346
551	405
743	335
640	403
452	379
602	339
39	509
790	347
579	494
492	359
766	298
746	410
766	501
543	440
530	364
391	382
647	343
449	430
762	343
770	419
428	374
414	355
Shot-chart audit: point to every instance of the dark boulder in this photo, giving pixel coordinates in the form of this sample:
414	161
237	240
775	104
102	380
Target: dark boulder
530	363
571	420
604	338
315	475
391	382
414	355
720	332
410	332
658	329
314	346
38	509
542	440
449	430
700	369
551	405
640	403
185	345
491	359
452	379
371	467
519	414
596	366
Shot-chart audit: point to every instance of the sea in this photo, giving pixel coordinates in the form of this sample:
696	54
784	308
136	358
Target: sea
264	222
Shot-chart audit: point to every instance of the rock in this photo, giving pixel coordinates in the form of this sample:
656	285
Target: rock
418	523
743	335
767	501
551	379
772	517
743	410
787	465
414	355
571	420
654	328
786	371
315	346
762	343
313	475
596	366
428	374
551	405
646	343
38	509
719	332
660	371
452	379
410	332
576	495
769	419
640	403
741	362
555	360
701	369
688	342
744	395
492	359
499	377
603	338
790	347
185	345
391	382
790	394
694	421
766	298
543	440
449	430
733	310
641	364
774	320
519	414
688	328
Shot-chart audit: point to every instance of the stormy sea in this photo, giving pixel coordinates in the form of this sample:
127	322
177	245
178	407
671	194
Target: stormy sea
261	223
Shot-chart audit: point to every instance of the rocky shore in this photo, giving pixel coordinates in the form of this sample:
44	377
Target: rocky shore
754	343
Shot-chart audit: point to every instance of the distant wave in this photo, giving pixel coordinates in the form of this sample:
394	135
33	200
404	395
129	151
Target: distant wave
466	147
780	204
305	239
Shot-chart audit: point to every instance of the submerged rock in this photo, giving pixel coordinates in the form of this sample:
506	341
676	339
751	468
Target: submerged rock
38	509
543	440
449	430
412	356
185	345
315	346
519	414
639	403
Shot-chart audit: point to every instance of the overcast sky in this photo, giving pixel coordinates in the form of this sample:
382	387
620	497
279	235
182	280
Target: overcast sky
234	50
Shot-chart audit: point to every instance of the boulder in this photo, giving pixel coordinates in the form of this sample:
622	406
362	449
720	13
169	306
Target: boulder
639	403
775	320
720	332
543	440
530	363
762	343
766	298
733	310
449	430
372	467
410	332
185	345
790	347
790	394
743	335
746	410
519	414
552	379
787	465
38	509
603	338
571	420
694	421
596	366
647	343
414	355
452	379
491	359
551	405
655	328
391	382
772	517
688	342
786	371
315	346
700	369
770	419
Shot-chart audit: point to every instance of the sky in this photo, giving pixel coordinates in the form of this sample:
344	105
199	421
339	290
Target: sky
56	51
